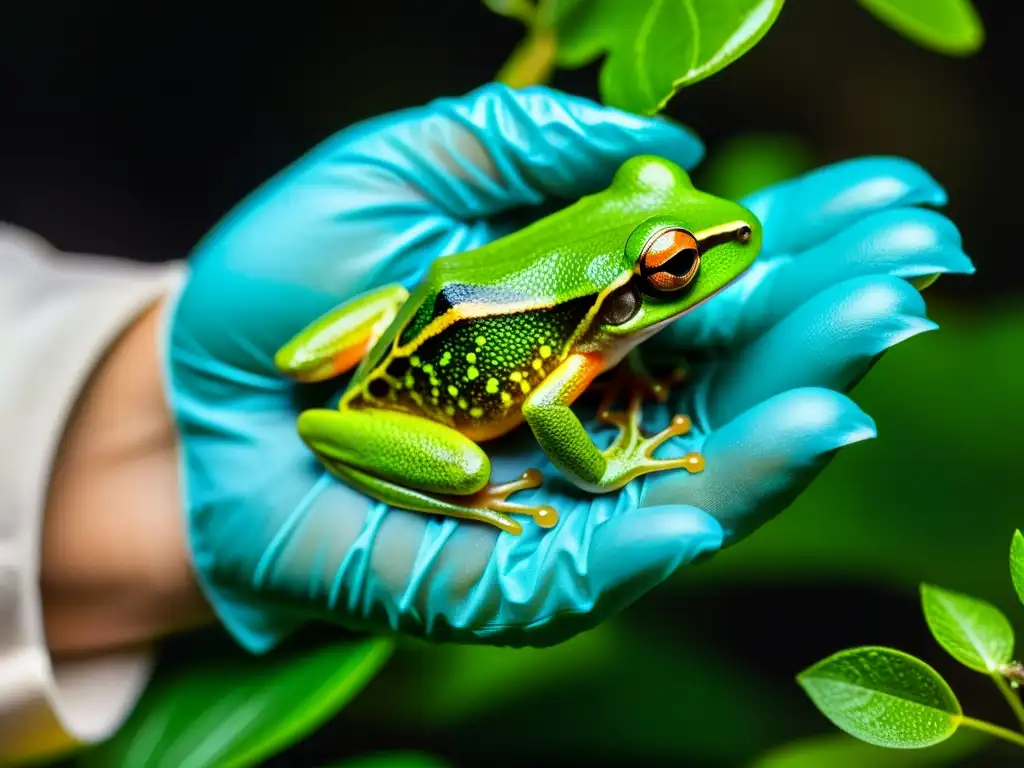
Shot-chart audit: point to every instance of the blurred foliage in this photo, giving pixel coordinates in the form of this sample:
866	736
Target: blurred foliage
935	495
842	751
225	707
748	162
945	26
394	760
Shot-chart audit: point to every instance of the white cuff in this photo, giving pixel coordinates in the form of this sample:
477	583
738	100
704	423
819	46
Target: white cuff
58	317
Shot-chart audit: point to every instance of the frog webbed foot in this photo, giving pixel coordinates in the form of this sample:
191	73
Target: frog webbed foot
494	496
631	454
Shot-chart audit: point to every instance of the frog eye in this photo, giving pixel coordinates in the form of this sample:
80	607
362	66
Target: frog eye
669	260
621	305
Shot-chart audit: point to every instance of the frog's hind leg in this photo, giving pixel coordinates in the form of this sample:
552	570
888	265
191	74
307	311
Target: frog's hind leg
337	341
417	464
487	505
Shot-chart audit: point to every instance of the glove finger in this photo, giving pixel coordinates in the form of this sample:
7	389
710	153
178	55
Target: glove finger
830	341
584	573
759	462
904	243
497	149
815	206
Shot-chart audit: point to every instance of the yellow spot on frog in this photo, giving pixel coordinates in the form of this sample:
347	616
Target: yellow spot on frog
537	363
525	386
506	398
492	386
463	404
453	390
434	391
470	357
409	381
472	372
445	359
428	368
545	352
515	376
476	412
450	410
414	361
480	340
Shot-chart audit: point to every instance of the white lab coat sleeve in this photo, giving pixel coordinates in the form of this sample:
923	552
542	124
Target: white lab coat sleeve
58	316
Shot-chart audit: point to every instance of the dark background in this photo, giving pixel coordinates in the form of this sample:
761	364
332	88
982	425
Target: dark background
130	128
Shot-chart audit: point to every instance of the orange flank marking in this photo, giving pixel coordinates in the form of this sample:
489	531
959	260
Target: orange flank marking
589	366
350	356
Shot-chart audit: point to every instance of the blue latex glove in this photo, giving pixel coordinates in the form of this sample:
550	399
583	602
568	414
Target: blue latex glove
278	542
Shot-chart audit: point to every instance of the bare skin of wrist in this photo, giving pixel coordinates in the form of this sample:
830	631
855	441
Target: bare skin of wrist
115	566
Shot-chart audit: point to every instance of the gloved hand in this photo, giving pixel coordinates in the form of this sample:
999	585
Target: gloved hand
277	541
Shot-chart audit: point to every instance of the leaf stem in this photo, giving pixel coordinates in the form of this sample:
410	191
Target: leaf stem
1011	697
532	62
993	730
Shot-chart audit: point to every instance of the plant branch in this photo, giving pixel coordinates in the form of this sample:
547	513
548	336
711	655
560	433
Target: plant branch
993	730
532	62
1011	697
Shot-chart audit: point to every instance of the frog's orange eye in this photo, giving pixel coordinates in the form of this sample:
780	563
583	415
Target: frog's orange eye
669	260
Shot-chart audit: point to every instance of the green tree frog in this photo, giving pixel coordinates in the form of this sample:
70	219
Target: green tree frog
514	332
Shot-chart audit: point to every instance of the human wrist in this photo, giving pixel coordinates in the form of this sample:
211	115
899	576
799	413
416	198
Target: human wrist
115	567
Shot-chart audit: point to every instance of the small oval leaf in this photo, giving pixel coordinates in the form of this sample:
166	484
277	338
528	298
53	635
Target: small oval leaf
521	10
884	697
234	710
655	48
972	631
945	26
1017	563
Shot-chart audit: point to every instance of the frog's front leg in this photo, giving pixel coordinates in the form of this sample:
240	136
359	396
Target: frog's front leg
570	447
337	341
416	464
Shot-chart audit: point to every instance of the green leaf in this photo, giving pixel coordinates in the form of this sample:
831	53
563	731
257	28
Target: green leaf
974	632
590	675
1017	563
838	750
521	10
884	697
655	48
830	533
945	26
234	709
